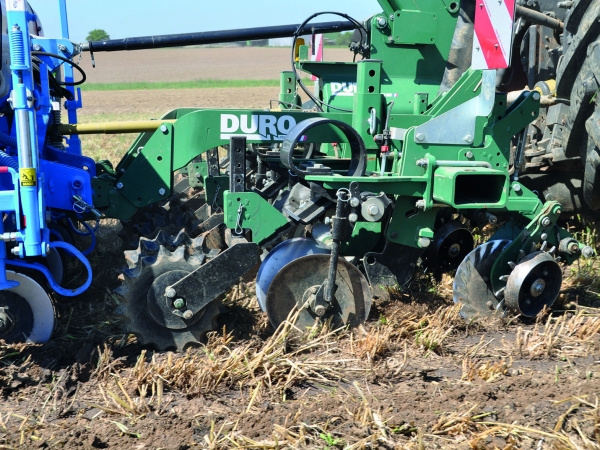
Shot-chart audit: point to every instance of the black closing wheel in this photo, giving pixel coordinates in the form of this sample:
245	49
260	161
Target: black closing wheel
451	244
533	284
298	283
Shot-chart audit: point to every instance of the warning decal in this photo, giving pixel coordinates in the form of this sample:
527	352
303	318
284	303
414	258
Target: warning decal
28	177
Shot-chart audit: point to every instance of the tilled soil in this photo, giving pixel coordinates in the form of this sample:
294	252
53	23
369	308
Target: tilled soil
415	376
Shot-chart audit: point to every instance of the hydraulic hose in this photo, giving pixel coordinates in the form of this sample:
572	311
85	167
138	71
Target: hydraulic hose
7	140
41	268
7	160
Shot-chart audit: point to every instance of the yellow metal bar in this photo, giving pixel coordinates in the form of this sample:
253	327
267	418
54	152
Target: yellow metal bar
138	126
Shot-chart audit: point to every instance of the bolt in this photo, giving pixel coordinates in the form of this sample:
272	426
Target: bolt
188	315
198	175
391	17
574	247
170	292
587	251
390	39
536	95
420	204
15	251
544	236
373	210
381	22
164	129
394	235
546	221
420	137
422	162
423	242
353	218
37	47
537	287
62	48
454	250
119	185
161	191
516	187
354	202
558	211
47	248
469	154
319	310
179	303
469	139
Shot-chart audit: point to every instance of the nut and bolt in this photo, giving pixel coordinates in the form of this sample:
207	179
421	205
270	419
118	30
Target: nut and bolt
390	39
164	129
537	287
420	137
454	250
327	220
516	187
179	303
161	191
469	139
544	236
188	315
198	175
62	48
546	221
119	185
320	310
170	292
587	251
422	162
574	247
373	210
420	204
37	47
354	202
15	251
47	248
469	154
423	242
353	217
391	17
382	22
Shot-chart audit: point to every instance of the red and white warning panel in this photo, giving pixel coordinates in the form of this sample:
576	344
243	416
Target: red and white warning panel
317	50
492	42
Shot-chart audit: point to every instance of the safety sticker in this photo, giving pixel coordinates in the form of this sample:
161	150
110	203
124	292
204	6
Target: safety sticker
28	177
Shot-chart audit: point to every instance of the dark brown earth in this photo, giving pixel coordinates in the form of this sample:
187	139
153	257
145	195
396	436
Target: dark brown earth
415	376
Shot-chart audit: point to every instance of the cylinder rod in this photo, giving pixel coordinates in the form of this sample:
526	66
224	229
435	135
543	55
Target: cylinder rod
213	37
137	126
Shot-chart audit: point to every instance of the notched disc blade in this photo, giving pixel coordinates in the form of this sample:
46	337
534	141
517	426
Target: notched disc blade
472	285
352	301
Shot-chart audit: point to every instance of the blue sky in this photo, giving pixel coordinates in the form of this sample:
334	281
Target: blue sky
127	18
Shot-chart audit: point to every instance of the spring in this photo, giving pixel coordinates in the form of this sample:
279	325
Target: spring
17	47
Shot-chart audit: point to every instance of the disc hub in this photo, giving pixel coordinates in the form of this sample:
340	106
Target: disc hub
537	288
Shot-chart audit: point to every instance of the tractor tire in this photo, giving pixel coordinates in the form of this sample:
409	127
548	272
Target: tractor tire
578	80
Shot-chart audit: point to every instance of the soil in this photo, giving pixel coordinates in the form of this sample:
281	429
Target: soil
199	63
483	385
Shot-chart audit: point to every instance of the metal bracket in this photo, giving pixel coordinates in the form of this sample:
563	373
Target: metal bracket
458	125
237	163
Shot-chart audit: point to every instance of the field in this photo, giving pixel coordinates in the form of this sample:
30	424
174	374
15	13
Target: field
415	376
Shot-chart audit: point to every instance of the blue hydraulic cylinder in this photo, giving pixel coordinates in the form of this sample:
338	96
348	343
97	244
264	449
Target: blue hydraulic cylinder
26	128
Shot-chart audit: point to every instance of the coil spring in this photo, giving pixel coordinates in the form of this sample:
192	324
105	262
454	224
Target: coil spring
17	47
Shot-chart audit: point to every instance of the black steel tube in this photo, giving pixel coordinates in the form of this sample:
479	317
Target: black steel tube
538	18
213	37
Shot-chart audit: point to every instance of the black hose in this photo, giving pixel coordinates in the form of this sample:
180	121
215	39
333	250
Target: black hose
357	24
62	58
